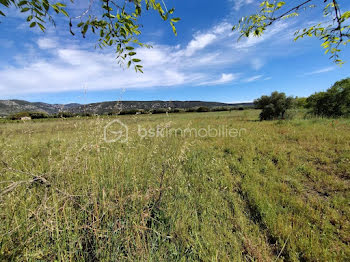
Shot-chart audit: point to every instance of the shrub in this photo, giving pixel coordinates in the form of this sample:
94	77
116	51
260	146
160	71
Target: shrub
290	114
335	102
202	109
218	109
190	110
274	106
38	115
129	112
176	110
159	111
19	115
84	114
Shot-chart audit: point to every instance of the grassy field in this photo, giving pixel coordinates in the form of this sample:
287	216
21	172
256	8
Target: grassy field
279	191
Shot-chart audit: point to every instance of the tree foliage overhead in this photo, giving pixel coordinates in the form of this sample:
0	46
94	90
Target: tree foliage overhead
114	21
273	106
333	33
335	102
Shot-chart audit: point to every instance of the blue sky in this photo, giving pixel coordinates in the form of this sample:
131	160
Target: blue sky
204	62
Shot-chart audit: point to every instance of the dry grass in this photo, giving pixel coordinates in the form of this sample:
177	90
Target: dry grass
278	192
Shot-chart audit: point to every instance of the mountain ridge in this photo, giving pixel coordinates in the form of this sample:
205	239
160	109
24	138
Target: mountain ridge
12	106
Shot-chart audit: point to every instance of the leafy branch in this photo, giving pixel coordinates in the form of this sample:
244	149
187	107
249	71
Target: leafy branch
117	26
334	33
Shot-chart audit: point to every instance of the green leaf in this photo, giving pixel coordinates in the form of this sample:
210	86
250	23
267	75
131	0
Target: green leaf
38	12
173	27
1	13
138	10
22	3
135	60
5	3
57	10
132	53
280	4
32	24
41	27
24	9
175	20
29	18
46	5
85	28
345	16
129	48
64	12
60	5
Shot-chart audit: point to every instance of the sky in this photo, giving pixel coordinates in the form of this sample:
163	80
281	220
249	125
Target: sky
205	61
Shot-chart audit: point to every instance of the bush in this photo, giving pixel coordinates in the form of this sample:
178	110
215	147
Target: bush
129	112
300	102
85	114
218	109
202	109
159	111
190	110
335	102
274	106
19	115
176	110
38	115
290	114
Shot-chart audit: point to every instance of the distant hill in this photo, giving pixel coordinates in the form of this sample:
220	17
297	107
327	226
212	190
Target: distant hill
8	107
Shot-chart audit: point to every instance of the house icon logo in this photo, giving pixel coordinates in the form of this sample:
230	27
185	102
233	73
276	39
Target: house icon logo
116	131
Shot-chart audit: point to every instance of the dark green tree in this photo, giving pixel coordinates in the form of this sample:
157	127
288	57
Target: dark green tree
273	106
335	102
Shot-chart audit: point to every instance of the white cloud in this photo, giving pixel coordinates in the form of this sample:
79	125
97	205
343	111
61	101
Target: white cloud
70	68
199	42
252	79
223	28
240	3
67	67
46	43
320	71
278	29
257	63
224	79
202	40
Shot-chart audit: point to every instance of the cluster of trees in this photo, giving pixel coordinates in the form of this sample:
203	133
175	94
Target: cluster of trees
32	115
200	109
335	102
42	115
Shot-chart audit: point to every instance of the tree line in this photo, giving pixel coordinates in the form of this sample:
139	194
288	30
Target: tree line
334	102
201	109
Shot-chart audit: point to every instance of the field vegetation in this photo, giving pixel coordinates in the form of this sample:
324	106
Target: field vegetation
277	192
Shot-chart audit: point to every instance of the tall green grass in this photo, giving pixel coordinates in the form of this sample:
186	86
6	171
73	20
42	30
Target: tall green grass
278	192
